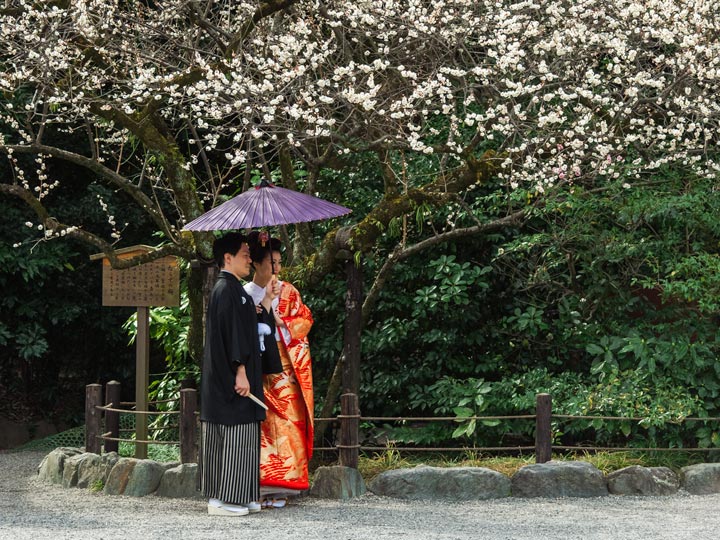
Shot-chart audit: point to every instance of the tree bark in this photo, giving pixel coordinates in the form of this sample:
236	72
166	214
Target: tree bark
352	328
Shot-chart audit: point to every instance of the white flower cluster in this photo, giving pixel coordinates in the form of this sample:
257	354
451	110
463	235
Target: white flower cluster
116	234
589	90
44	185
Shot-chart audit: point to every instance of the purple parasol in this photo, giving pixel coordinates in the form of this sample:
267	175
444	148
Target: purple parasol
263	206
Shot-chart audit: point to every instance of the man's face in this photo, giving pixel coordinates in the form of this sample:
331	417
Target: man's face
239	264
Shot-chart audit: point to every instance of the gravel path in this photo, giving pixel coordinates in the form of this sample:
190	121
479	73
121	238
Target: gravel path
30	510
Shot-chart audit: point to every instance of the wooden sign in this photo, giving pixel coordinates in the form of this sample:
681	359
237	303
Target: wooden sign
156	283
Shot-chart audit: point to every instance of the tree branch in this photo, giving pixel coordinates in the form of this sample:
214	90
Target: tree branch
400	254
143	126
265	9
92	165
397	255
363	235
61	229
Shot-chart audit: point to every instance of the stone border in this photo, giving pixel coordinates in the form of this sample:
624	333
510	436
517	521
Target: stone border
550	480
72	467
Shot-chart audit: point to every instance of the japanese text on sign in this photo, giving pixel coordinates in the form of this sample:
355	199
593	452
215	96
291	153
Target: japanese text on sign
155	283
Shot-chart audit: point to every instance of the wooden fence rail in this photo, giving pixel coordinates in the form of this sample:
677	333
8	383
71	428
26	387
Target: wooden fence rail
348	446
110	438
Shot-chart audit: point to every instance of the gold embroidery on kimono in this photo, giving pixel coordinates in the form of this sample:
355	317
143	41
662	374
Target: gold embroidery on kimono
286	440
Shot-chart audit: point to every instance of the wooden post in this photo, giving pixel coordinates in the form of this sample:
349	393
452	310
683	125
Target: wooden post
349	426
112	418
155	283
93	417
142	376
543	431
188	438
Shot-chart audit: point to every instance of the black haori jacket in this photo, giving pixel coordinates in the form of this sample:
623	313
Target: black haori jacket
231	339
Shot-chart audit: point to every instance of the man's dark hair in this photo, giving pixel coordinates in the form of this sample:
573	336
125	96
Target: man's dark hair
230	243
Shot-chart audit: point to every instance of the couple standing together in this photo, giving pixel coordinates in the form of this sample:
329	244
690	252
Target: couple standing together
251	458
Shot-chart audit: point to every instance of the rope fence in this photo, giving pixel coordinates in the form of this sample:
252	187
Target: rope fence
109	438
348	446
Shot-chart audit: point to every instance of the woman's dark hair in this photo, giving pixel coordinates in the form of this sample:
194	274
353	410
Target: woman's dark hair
258	252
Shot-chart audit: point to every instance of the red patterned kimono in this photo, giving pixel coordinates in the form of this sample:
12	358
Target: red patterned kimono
286	439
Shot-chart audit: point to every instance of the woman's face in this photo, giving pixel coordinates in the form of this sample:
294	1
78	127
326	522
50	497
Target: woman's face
264	268
276	262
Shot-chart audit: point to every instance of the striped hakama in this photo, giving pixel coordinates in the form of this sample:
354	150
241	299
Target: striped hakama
230	462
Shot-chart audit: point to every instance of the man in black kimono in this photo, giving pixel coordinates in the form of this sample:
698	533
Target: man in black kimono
232	370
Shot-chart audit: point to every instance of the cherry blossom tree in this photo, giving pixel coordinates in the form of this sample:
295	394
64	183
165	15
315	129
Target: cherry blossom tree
180	100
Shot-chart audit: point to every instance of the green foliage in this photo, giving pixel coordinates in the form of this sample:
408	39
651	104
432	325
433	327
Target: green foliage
607	462
657	410
163	453
20	266
168	328
606	301
606	298
96	486
453	283
694	278
55	336
326	302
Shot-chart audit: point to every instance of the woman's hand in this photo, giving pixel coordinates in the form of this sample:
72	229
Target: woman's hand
272	291
273	288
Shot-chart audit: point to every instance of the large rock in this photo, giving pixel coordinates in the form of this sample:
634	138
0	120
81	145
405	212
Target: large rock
456	483
559	479
337	482
144	478
179	481
134	477
637	480
119	476
70	469
52	466
95	469
701	479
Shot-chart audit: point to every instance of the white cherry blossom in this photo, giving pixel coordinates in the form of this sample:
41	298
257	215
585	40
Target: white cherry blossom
554	88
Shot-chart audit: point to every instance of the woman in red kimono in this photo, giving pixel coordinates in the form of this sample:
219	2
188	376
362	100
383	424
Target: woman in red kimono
286	440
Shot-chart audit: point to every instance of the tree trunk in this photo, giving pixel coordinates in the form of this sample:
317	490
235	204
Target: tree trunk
349	408
200	284
352	329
